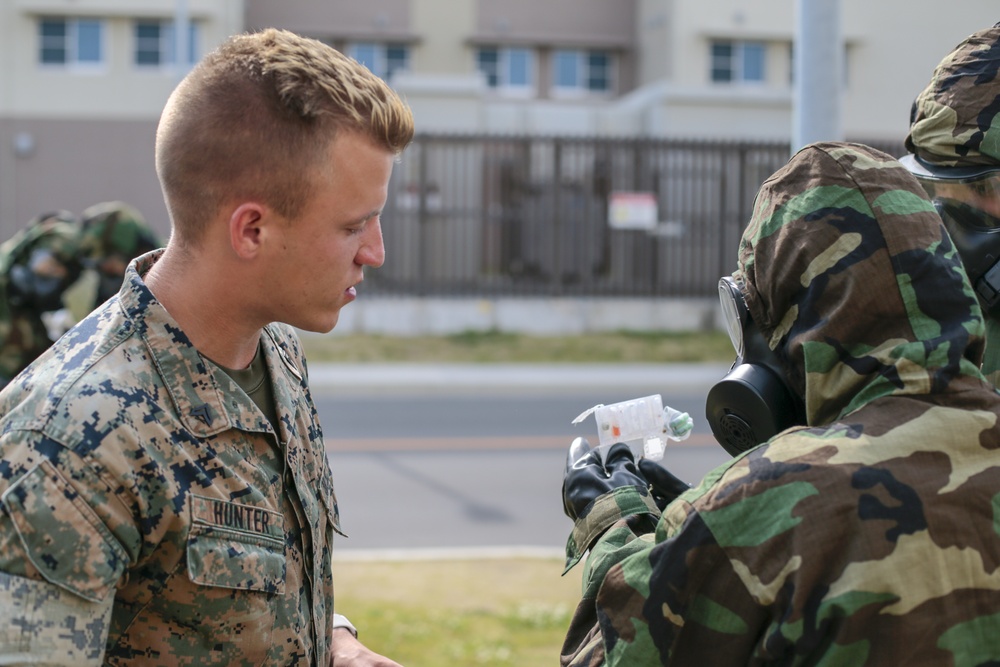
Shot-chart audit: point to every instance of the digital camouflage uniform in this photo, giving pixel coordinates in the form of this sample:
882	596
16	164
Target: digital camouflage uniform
955	122
23	335
148	515
869	537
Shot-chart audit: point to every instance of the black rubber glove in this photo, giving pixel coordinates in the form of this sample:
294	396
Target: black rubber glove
663	486
587	477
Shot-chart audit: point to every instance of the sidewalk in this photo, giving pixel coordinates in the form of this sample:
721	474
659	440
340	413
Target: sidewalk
659	377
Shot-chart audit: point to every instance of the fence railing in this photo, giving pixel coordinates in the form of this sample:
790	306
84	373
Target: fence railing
550	216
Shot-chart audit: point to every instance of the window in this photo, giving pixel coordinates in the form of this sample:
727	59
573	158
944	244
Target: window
738	62
382	59
508	69
581	71
71	42
155	43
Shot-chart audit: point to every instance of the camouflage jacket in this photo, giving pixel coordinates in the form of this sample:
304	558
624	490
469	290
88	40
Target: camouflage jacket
23	336
870	536
148	515
955	122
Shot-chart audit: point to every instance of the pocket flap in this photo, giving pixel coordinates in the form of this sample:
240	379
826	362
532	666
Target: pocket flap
63	537
236	546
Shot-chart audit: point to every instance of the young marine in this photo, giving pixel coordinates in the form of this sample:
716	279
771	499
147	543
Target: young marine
165	496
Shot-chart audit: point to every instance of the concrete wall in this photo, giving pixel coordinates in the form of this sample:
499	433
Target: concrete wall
430	316
70	138
372	19
75	163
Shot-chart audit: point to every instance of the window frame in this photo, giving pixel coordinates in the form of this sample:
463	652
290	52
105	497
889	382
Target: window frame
584	71
72	46
383	65
504	64
166	44
737	62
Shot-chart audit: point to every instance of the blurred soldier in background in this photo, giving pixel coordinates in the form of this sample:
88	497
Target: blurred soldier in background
955	144
57	269
36	266
114	233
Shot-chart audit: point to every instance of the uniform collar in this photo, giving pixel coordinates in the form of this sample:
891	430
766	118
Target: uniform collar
195	385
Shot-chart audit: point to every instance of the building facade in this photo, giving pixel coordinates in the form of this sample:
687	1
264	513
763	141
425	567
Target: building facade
82	82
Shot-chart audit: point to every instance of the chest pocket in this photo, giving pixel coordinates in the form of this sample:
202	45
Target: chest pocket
236	546
229	600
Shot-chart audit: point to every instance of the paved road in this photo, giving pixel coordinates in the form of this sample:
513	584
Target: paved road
456	457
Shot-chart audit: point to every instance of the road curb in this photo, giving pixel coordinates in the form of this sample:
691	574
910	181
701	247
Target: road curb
345	555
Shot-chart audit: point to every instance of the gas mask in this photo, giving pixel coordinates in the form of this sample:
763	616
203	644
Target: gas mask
39	284
968	201
754	401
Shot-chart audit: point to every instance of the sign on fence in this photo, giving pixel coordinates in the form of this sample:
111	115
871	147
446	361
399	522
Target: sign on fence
632	210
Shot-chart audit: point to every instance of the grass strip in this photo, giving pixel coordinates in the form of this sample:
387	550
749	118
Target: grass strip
496	347
512	611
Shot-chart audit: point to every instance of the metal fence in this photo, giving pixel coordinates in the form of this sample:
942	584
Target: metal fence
500	216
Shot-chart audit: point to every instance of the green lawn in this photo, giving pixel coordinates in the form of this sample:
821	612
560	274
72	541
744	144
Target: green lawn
460	613
494	347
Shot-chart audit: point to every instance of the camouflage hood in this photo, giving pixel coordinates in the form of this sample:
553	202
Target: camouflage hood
115	228
955	121
902	320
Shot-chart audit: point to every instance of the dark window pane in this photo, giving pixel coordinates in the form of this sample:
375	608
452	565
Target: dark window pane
51	56
53	29
487	60
598	76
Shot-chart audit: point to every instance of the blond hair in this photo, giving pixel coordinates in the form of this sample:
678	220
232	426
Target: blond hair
256	115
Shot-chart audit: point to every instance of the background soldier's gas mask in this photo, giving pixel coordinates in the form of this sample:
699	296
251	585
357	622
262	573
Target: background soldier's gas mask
968	201
39	284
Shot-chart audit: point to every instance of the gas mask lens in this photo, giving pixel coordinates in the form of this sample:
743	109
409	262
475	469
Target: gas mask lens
972	193
734	311
978	198
968	201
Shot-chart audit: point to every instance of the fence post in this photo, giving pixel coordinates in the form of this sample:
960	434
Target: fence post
425	240
557	226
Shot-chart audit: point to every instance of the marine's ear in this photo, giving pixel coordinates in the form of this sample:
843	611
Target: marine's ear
248	227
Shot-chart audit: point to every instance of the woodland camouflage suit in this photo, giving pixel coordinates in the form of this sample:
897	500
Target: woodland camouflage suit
869	536
50	240
955	122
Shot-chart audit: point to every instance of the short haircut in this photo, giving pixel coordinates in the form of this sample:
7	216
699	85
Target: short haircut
256	115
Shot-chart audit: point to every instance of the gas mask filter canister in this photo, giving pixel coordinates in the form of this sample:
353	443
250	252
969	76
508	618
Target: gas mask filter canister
753	402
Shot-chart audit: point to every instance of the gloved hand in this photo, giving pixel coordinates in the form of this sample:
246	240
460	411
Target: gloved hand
663	486
587	477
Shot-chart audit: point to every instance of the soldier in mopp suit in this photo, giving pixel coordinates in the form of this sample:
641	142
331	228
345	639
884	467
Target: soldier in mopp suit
37	264
868	534
164	491
113	234
43	261
954	141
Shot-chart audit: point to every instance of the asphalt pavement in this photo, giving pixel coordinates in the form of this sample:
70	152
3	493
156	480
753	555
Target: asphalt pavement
387	382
